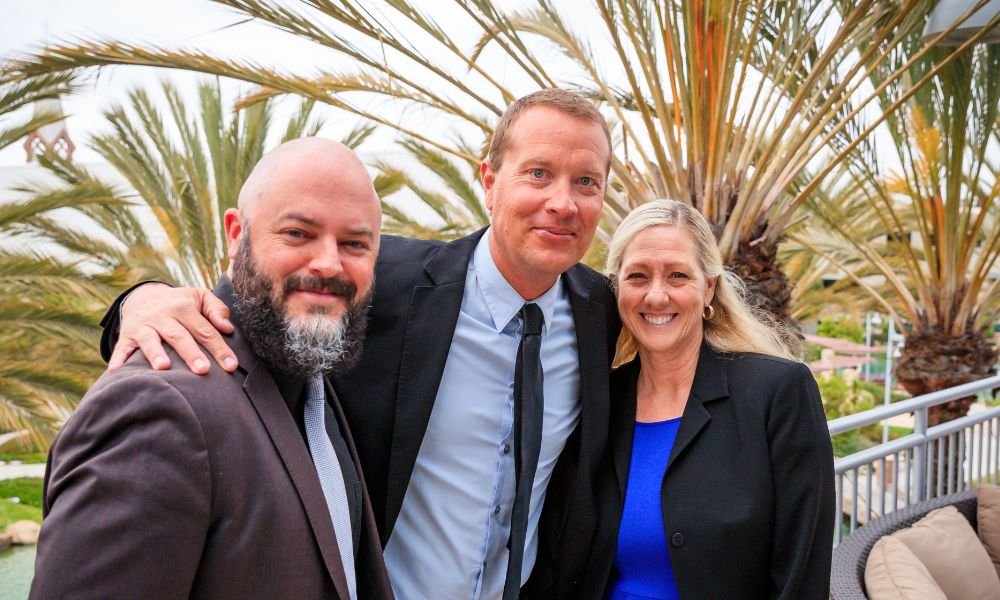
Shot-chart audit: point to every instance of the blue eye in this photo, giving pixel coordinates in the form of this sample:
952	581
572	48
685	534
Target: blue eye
588	181
537	173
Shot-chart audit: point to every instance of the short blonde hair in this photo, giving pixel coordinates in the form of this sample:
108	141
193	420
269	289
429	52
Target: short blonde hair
736	326
564	101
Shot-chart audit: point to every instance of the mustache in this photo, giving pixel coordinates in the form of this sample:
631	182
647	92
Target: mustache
325	285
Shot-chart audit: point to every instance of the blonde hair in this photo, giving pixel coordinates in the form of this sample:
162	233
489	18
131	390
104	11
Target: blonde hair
564	101
736	326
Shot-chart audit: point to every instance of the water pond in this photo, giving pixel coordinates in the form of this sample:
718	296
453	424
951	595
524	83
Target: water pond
17	566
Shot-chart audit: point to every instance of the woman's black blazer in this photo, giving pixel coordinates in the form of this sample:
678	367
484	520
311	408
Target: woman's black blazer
748	496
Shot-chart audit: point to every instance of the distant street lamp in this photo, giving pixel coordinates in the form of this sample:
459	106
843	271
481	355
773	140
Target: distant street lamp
893	349
871	318
947	12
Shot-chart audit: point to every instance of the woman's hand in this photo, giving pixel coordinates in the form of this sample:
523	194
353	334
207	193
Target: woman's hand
184	318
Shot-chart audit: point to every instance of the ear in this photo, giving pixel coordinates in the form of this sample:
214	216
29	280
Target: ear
710	292
488	179
232	221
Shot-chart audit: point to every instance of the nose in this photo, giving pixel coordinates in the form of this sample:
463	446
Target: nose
561	201
325	262
657	294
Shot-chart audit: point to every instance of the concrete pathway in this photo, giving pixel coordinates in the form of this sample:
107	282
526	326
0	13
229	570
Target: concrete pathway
6	437
9	471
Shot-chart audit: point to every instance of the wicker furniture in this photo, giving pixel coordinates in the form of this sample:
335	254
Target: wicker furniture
847	577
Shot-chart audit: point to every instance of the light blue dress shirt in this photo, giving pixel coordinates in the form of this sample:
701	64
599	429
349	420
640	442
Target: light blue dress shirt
450	538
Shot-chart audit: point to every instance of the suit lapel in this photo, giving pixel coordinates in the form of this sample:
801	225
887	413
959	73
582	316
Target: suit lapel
710	383
591	343
430	327
370	570
273	412
623	424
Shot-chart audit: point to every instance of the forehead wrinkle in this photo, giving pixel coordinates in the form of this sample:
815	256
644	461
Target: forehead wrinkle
297	216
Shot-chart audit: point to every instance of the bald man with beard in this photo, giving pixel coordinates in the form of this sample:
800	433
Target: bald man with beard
167	484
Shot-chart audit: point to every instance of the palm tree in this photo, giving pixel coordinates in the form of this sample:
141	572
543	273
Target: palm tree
45	300
814	295
724	104
459	211
930	229
163	222
182	172
22	94
49	313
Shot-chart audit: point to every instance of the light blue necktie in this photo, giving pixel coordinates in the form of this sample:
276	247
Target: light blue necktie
331	478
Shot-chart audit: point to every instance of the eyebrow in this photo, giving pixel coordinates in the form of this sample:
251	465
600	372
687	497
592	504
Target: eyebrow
358	230
644	264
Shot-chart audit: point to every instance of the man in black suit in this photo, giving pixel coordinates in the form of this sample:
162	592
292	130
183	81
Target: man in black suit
431	399
166	484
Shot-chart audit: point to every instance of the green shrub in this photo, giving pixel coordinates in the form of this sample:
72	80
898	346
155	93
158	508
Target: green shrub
842	328
846	396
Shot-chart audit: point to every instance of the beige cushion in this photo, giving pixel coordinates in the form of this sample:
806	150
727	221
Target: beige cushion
950	549
988	508
893	572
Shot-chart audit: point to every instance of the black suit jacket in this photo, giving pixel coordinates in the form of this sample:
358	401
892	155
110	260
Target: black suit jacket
165	484
748	496
388	397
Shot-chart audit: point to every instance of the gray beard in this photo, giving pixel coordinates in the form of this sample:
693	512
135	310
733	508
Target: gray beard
296	346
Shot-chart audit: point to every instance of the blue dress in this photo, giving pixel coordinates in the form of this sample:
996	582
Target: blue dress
642	562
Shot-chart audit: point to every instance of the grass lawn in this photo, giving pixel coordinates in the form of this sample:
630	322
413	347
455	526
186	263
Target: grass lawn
10	513
29	490
30	458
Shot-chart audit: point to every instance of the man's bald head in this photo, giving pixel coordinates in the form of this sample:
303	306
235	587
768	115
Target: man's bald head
311	161
302	246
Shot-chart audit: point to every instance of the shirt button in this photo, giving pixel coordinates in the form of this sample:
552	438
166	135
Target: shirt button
677	539
506	448
496	510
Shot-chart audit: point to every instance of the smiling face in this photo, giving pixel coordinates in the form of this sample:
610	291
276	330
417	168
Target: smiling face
314	219
663	292
545	199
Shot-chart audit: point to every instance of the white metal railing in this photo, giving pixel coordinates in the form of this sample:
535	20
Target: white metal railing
929	462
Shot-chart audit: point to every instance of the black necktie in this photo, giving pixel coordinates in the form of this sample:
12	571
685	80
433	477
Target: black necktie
528	413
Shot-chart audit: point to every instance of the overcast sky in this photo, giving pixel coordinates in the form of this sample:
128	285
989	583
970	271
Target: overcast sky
29	24
204	25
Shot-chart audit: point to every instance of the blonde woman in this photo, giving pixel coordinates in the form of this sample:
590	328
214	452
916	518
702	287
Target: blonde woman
718	481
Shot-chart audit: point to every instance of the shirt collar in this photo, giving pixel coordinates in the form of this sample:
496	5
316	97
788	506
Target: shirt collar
501	298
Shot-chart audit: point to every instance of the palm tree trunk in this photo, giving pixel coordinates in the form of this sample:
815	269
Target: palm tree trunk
767	285
932	361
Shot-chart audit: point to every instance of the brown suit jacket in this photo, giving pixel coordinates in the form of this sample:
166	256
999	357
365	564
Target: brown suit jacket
165	484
